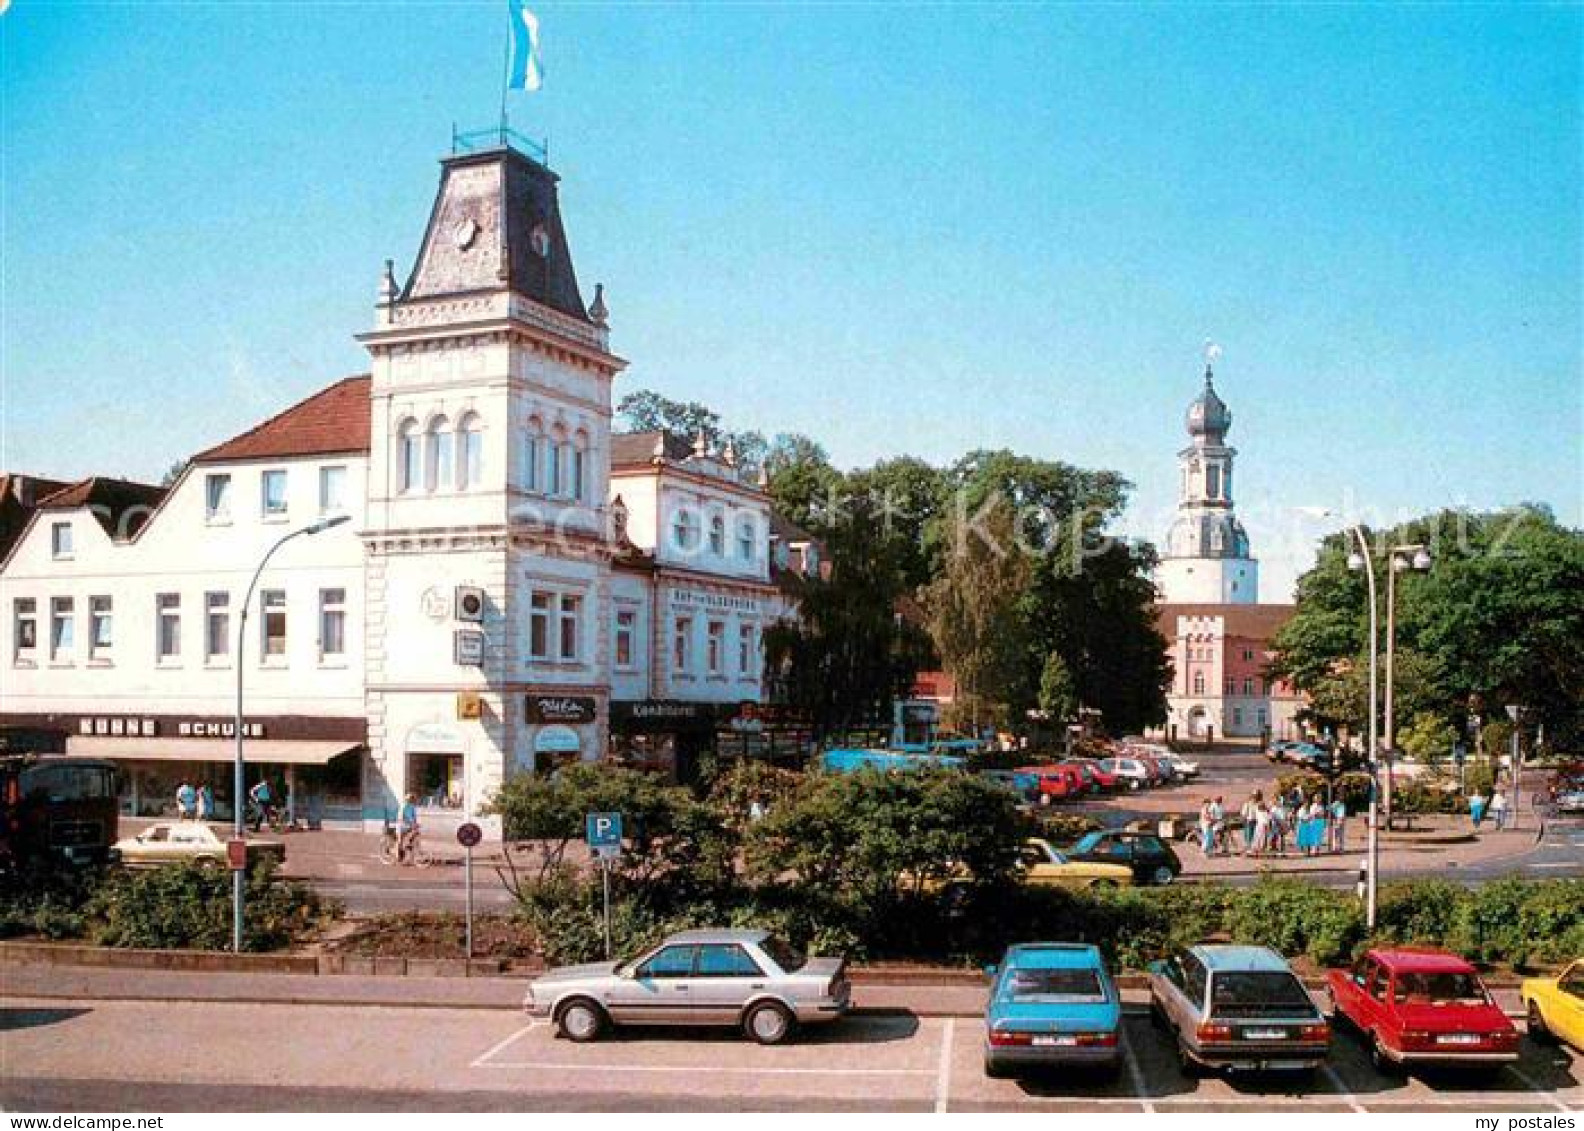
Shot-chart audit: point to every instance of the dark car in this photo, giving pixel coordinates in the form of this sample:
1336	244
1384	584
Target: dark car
1153	861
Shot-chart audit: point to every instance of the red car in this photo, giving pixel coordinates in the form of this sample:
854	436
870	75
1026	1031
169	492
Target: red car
1092	770
1422	1006
1056	781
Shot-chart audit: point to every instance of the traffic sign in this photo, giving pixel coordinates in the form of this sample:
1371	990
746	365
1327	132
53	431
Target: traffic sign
469	835
236	854
603	830
607	851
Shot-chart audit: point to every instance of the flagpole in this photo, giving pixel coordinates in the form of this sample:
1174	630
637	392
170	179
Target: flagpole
506	78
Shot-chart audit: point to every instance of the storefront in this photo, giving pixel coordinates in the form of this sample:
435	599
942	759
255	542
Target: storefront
767	732
561	728
665	736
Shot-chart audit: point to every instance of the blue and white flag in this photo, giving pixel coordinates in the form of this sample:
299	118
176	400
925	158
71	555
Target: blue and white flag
527	72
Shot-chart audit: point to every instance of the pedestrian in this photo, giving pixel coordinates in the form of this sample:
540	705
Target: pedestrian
1318	836
1249	811
1207	828
261	797
1498	808
1279	827
1338	825
1218	825
1262	829
1476	804
186	801
205	802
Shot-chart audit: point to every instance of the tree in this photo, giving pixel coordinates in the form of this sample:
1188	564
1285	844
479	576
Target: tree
1058	691
644	410
804	486
173	473
908	495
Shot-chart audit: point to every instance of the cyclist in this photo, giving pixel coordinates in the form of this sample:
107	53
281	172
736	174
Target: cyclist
261	798
406	828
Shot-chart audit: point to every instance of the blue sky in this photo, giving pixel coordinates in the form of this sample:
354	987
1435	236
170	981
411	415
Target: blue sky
918	229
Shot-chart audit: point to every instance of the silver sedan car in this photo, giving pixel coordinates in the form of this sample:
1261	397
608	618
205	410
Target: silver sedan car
736	978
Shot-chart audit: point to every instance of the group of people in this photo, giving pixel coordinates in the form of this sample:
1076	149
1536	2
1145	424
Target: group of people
197	803
1291	821
1495	807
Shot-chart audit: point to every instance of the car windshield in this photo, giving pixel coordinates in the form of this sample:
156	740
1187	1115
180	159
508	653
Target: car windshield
1440	989
1253	993
784	954
1052	985
1089	842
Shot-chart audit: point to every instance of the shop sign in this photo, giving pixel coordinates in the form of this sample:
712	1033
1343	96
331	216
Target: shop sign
119	727
662	711
557	740
435	738
468	648
561	708
720	602
209	728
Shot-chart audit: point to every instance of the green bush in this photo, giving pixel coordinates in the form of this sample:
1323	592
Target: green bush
47	901
1422	911
1292	917
1352	787
189	907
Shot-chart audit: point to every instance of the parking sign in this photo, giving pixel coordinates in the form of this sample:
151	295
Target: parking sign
603	830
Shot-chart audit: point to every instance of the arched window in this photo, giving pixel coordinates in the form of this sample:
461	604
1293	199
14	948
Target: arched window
470	453
717	535
440	463
533	456
408	456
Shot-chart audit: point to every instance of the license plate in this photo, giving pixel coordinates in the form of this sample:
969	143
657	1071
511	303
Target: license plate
1458	1039
1264	1034
1056	1042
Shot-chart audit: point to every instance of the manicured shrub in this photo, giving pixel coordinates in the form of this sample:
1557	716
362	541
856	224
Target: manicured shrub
189	907
1295	918
1425	912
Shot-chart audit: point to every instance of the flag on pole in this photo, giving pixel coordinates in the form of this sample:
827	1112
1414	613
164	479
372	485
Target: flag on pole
527	72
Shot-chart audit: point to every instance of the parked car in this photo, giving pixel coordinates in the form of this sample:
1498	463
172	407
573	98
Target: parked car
1182	768
189	842
1023	786
1103	779
1421	1006
1042	864
1056	780
1237	1008
851	760
1152	861
1555	1006
744	979
1277	751
1051	1004
1131	772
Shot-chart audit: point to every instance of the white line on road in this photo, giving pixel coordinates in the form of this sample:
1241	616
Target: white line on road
1547	1094
1135	1073
701	1070
943	1067
1342	1089
482	1062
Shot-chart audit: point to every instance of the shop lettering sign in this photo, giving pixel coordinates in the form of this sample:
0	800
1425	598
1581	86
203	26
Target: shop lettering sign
561	709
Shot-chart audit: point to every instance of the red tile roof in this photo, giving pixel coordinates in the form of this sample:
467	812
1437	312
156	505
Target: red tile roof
120	505
331	422
1249	622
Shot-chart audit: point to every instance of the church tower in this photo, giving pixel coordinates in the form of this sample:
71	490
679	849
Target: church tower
1207	559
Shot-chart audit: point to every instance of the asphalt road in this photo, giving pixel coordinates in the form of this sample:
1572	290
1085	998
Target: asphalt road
188	1056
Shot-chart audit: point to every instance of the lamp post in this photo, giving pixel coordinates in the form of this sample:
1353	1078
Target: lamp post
1515	806
239	875
1415	556
1360	560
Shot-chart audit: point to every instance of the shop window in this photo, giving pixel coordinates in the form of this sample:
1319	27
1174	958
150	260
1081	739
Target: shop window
167	627
272	490
332	623
437	779
332	489
626	632
61	540
62	632
272	609
217	626
100	628
539	626
24	639
217	497
682	645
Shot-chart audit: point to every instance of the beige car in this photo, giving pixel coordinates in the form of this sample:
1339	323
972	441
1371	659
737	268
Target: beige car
177	842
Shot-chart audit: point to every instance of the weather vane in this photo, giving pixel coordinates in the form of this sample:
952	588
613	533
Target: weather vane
1212	352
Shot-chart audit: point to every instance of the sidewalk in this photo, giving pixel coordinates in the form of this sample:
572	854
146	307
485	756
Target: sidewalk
1436	842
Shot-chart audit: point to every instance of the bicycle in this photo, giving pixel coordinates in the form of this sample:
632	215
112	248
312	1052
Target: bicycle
391	851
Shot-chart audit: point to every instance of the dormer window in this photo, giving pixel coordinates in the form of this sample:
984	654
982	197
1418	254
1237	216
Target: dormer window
61	540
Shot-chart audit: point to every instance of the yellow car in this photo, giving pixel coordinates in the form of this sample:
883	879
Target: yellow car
1041	864
1556	1006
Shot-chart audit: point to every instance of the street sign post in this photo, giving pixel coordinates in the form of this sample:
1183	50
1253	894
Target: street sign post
468	835
603	831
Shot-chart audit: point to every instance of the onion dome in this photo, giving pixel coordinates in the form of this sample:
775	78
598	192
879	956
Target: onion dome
1208	415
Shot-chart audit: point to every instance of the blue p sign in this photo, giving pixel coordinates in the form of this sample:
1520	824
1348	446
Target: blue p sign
603	830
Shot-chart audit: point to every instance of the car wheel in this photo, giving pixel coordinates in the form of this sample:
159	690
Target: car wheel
994	1068
768	1023
1537	1026
1134	784
580	1021
1162	876
1380	1059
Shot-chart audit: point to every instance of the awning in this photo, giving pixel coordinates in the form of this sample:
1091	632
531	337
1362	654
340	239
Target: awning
276	751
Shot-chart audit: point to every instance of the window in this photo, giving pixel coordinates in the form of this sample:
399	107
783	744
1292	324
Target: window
567	634
1198	681
408	455
715	636
25	619
470	469
217	626
332	622
272	610
746	650
1264	720
553	468
167	626
1193	980
685	529
1248	686
274	493
1237	716
726	960
332	489
626	630
672	962
61	635
682	644
1248	655
717	535
745	540
533	453
579	474
438	472
539	626
217	497
61	540
100	627
1228	686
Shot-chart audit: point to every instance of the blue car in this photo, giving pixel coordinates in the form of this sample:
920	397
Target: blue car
850	761
1051	1005
1024	786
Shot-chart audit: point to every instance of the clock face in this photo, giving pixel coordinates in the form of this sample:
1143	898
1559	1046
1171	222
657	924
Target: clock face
539	240
464	233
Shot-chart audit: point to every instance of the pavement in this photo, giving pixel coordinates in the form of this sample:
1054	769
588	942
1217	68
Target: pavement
68	1046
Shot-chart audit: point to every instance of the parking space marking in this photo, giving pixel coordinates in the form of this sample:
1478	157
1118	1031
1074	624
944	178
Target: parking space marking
1342	1092
943	1066
1546	1094
704	1070
1135	1073
502	1046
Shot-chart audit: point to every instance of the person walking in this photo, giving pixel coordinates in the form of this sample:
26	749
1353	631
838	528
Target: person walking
1262	829
1476	804
1207	828
1280	826
1218	837
1249	812
1338	825
261	797
186	801
1498	808
1318	835
205	802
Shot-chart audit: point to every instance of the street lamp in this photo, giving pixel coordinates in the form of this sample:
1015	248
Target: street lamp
1414	556
1515	807
239	875
1360	560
